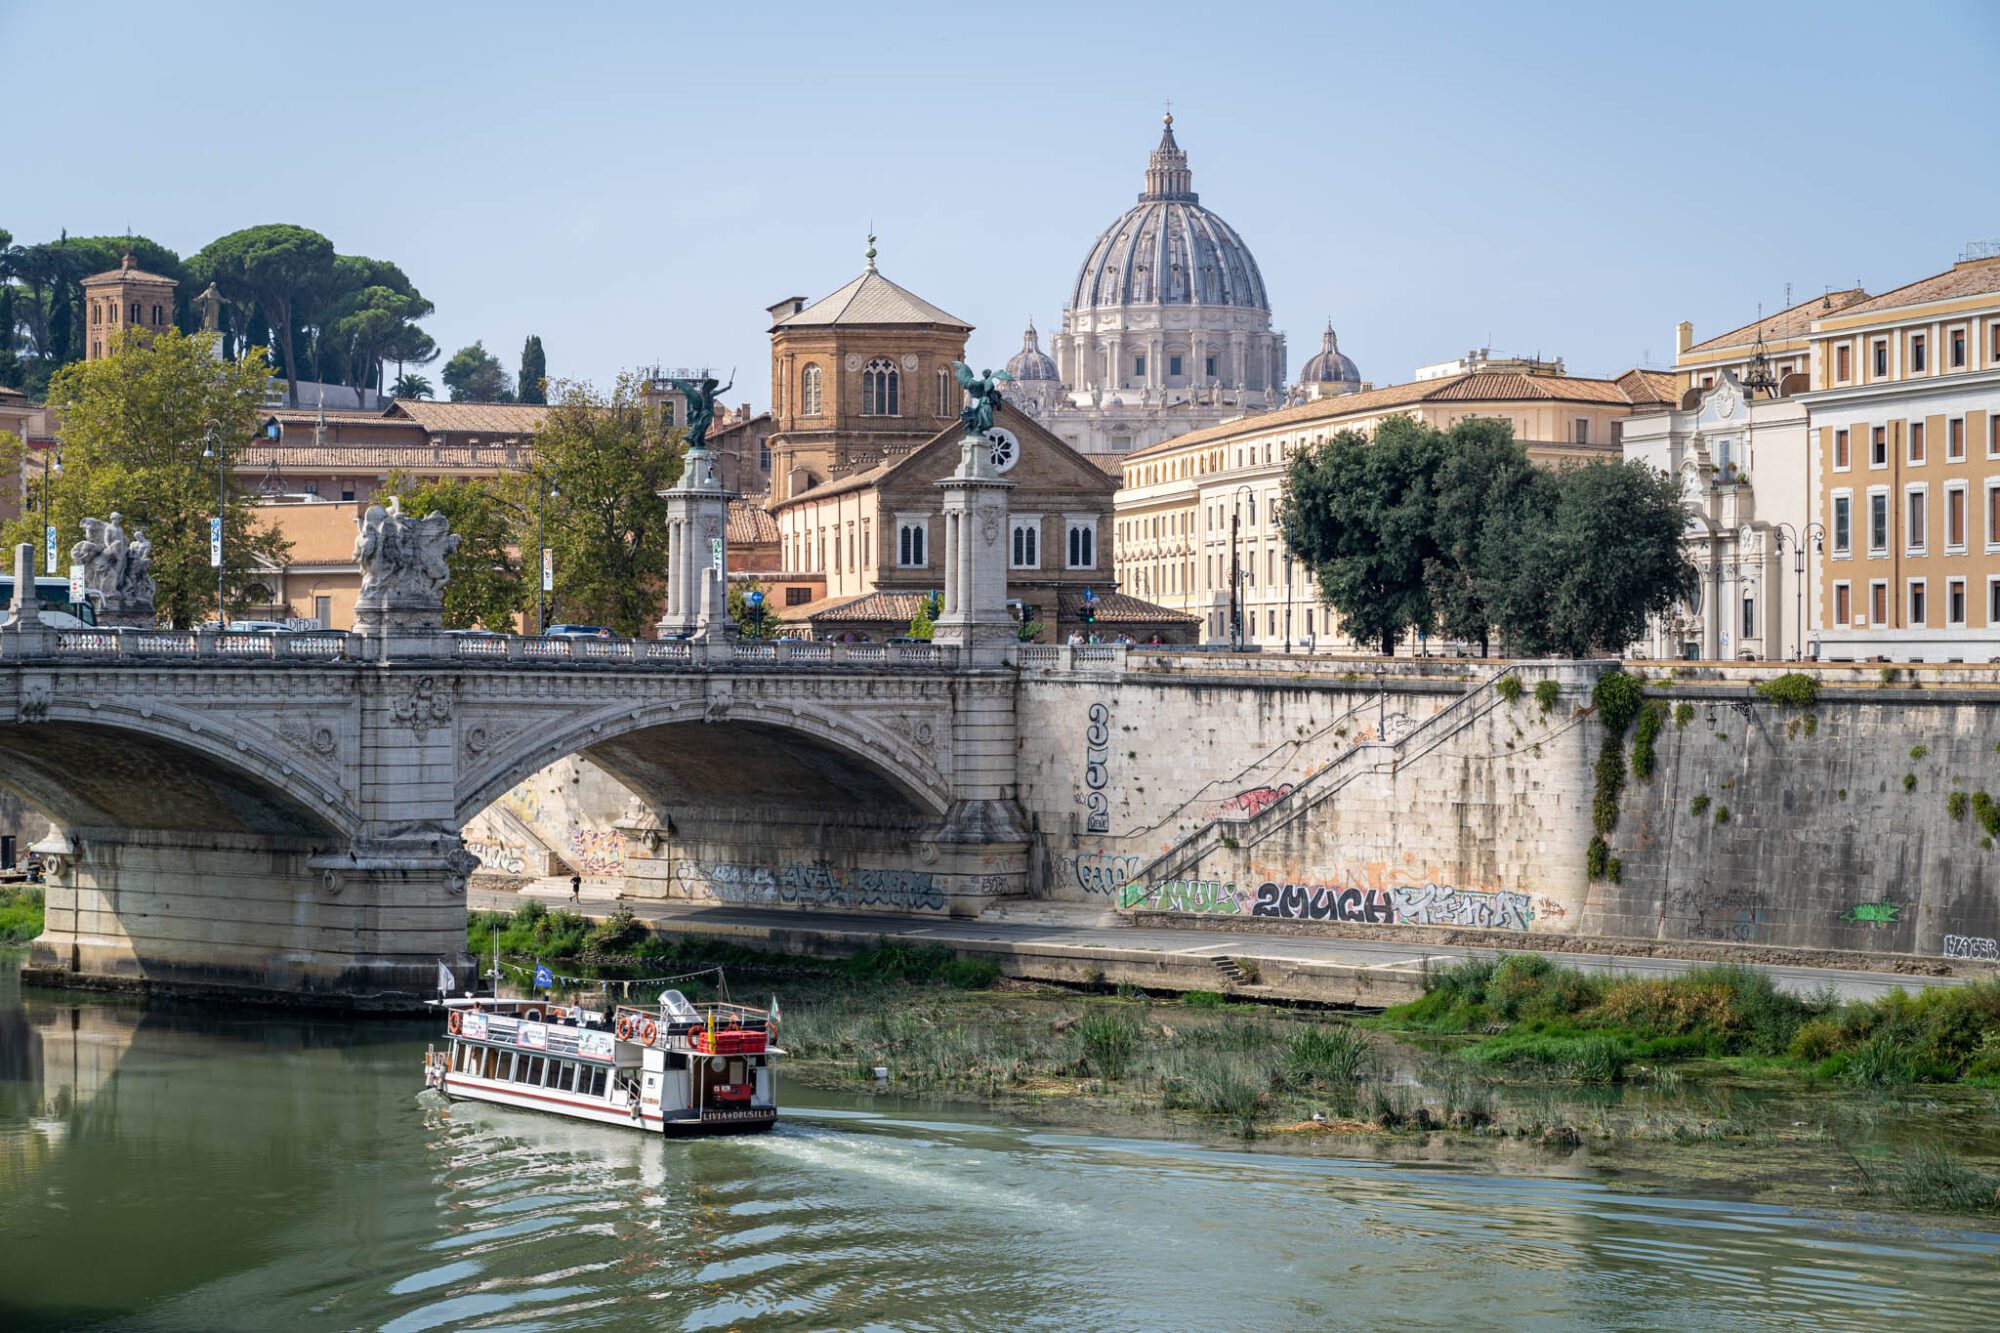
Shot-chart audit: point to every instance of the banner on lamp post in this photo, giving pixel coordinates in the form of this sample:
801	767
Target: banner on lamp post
49	546
215	543
715	554
75	585
548	569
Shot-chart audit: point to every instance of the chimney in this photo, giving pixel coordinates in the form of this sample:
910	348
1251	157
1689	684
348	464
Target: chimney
1683	337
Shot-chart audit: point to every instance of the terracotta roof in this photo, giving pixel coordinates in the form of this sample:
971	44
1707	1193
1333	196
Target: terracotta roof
871	299
1794	322
306	416
415	457
1473	386
1647	386
127	272
749	525
1117	608
861	608
484	418
1971	277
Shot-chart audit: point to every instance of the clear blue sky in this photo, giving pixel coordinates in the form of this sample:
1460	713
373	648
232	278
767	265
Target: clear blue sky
637	182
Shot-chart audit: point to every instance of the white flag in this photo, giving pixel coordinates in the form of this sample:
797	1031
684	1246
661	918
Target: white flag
774	1009
445	980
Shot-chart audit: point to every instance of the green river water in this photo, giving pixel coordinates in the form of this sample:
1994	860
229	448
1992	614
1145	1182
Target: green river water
164	1167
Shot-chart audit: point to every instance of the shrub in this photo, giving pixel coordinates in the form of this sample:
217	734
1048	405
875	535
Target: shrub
1683	714
1909	782
1888	675
1610	782
1614	870
21	910
1722	814
1597	859
1698	806
1812	724
1202	999
1651	718
1986	812
1794	689
1618	697
1322	1056
1547	692
1919	751
1509	687
1109	1036
1955	805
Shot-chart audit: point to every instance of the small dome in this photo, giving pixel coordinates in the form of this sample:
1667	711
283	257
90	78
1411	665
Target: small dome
1330	366
1031	362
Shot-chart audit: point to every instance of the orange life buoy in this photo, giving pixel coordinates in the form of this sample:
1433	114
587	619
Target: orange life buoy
624	1027
455	1021
647	1031
531	1015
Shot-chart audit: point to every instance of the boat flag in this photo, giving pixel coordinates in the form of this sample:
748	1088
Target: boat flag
774	1011
543	978
445	980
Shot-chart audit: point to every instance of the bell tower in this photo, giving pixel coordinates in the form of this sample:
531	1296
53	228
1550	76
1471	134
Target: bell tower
126	298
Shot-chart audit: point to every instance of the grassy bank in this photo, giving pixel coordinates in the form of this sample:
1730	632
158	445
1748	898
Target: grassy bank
20	913
1527	1013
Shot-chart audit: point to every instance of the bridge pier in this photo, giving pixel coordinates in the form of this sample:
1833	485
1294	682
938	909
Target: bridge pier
262	917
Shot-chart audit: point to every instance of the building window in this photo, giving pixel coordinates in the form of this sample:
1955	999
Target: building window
347	494
1993	435
1082	544
1580	430
1914	502
1993	601
1878	523
1954	440
1878	602
1138	365
323	611
1174	366
1954	602
1617	432
1954	518
764	454
910	535
1843	524
1878	447
1916	442
1749	615
1840	459
136	317
1840	367
96	313
1916	353
1881	349
158	320
1918	594
1025	545
881	389
1843	604
1208	367
1957	347
809	390
797	596
945	407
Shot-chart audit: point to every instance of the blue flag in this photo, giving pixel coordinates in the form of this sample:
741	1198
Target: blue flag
543	977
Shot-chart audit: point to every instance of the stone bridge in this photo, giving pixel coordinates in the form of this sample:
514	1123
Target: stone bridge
282	814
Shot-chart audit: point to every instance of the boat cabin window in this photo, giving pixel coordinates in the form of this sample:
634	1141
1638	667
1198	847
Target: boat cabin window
675	1006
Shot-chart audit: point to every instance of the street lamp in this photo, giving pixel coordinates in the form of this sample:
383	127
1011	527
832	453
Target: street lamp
543	494
49	457
214	449
1814	533
1288	603
1236	566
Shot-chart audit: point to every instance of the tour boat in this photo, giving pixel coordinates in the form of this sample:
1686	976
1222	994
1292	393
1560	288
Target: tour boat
674	1068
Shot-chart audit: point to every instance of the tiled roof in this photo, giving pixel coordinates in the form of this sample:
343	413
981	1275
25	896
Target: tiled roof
1117	608
306	416
1972	277
1647	386
1794	322
749	525
871	299
415	457
134	274
482	418
1485	386
866	608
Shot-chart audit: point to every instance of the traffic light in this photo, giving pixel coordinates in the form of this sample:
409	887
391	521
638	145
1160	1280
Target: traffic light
1088	612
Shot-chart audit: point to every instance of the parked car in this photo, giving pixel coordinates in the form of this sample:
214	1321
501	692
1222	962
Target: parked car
577	632
259	627
475	634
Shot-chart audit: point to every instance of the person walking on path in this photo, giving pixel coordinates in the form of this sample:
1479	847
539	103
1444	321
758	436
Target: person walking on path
576	890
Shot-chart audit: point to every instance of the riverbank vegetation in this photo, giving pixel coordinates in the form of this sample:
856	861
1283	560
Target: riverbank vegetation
20	913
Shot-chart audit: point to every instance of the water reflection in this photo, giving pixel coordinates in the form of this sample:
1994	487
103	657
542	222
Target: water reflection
240	1169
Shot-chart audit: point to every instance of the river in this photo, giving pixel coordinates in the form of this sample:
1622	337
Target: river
163	1167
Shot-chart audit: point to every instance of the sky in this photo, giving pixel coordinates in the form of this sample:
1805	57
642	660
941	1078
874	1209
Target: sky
635	183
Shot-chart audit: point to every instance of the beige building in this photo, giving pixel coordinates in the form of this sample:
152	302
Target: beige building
1194	507
1904	415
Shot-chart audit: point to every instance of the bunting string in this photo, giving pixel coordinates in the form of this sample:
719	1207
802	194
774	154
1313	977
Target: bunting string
625	985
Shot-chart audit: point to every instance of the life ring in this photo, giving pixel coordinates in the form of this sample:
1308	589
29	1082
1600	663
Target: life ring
647	1031
455	1021
624	1027
531	1015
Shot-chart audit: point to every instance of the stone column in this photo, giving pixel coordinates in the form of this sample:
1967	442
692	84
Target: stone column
697	593
975	507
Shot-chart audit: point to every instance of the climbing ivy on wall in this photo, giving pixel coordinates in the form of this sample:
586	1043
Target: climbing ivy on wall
1618	698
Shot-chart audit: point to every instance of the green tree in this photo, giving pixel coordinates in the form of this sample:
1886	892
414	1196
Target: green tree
487	584
135	424
534	372
1360	513
474	375
756	622
411	385
366	315
923	625
607	458
1483	465
285	270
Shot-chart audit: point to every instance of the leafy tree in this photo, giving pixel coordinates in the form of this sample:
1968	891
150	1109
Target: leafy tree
411	385
923	625
1483	465
607	457
487	586
1360	513
285	270
367	315
758	622
135	424
534	372
1603	547
474	375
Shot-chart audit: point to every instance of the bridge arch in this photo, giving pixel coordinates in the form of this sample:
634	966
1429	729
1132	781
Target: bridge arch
749	750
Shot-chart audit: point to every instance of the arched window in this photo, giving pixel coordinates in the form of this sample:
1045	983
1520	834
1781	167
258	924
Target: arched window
136	317
945	405
910	535
156	316
881	389
809	392
96	313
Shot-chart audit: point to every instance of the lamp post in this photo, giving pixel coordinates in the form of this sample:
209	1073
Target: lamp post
214	449
1814	533
1236	566
544	492
49	457
1288	603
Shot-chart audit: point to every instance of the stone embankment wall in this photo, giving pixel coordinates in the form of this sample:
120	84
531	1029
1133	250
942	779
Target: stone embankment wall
1261	794
1856	823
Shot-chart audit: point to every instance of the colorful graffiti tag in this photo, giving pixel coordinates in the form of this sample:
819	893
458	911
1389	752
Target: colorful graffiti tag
1245	804
1323	902
1204	897
1972	946
596	851
496	856
1443	905
815	885
1411	905
1100	872
1873	914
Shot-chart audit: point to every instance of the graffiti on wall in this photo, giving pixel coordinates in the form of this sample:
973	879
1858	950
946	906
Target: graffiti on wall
1096	757
1099	872
1323	902
1204	897
496	856
813	885
1245	804
596	851
1443	905
1876	915
1972	946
